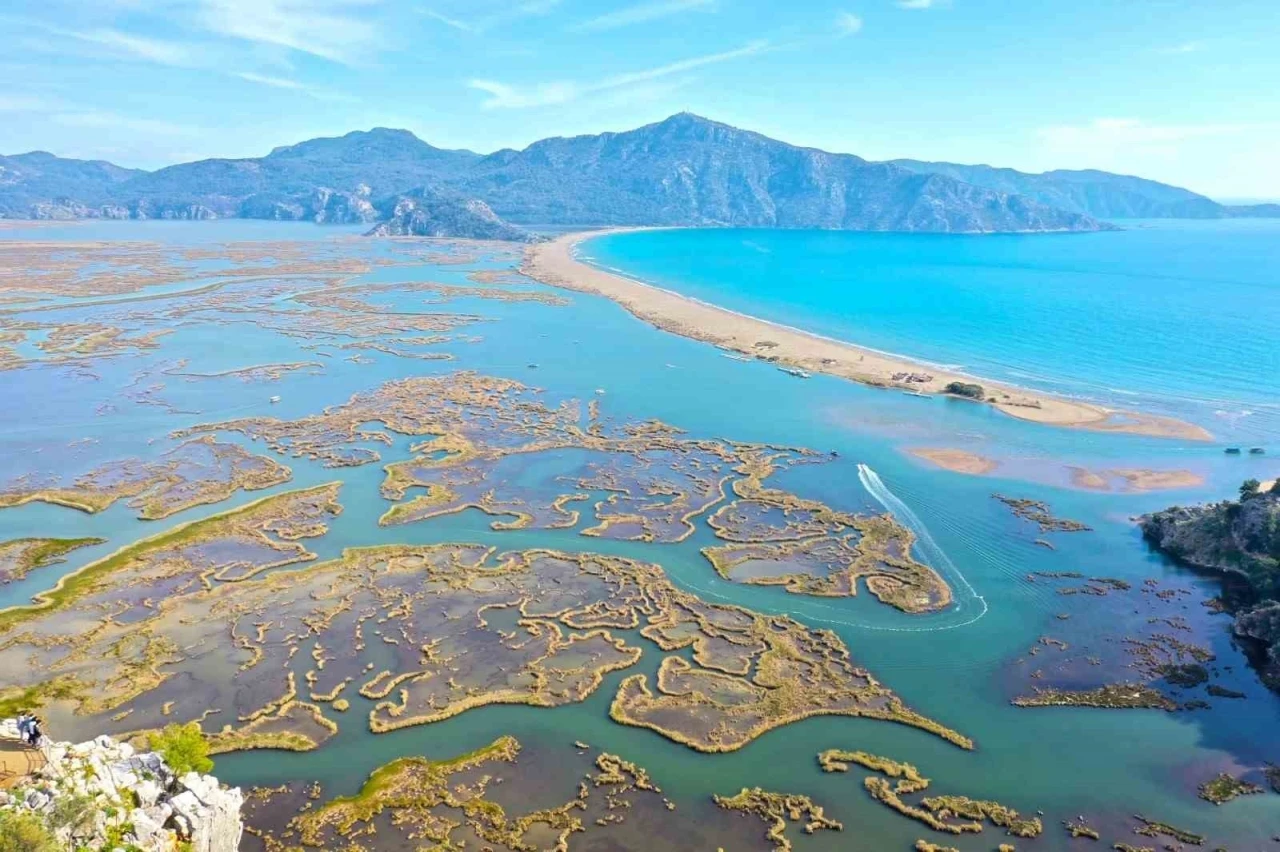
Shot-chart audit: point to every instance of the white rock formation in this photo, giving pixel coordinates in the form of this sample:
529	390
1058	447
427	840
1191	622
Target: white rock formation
131	798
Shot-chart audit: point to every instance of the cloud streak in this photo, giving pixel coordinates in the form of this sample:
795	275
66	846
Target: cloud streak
273	82
642	13
339	31
136	47
507	15
454	23
505	96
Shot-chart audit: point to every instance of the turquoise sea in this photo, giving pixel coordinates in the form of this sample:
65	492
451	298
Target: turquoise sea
1177	318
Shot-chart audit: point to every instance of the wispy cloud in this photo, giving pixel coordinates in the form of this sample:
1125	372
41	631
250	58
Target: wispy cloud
1116	132
921	4
507	14
106	43
449	22
273	82
340	31
133	46
289	84
642	13
848	24
505	96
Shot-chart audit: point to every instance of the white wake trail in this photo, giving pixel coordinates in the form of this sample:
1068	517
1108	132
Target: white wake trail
934	555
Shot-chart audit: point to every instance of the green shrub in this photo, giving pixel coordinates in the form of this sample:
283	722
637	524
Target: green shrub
73	812
966	389
184	748
24	833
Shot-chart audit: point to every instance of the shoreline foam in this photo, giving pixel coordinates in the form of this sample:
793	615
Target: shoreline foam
554	263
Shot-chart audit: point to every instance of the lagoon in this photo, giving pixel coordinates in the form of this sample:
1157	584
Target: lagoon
961	666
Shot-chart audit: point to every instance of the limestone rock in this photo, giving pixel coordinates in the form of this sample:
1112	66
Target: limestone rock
194	808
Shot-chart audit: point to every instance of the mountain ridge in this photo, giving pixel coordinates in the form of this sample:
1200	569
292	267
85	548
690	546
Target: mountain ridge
1091	191
685	170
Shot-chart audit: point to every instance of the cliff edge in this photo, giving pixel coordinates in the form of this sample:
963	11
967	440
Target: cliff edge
102	795
1239	540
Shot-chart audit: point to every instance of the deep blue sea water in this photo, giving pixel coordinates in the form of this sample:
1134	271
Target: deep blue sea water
1175	317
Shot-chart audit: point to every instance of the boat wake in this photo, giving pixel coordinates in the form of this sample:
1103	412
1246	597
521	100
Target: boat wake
969	605
965	595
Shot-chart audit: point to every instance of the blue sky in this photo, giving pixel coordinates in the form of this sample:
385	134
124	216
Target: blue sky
1178	90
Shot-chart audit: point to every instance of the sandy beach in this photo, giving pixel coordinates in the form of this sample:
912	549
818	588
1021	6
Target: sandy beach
553	263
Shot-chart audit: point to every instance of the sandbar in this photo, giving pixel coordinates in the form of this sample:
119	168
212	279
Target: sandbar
554	263
960	461
1134	479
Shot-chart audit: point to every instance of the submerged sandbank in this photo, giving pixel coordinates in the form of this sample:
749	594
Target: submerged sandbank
960	461
554	263
1134	479
1109	479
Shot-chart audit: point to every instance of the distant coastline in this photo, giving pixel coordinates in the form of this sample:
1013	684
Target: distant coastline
555	263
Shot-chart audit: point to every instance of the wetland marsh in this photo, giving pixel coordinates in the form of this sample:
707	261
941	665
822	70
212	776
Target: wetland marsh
437	553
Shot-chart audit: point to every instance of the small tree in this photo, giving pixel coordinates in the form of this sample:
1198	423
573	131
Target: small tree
21	832
184	748
966	389
1249	488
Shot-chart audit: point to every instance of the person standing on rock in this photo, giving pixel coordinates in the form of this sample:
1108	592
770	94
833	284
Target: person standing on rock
24	724
33	731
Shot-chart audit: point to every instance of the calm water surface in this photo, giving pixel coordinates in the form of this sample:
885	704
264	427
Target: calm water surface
990	304
1178	317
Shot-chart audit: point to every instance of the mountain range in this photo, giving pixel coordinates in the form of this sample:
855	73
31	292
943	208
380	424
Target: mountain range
686	170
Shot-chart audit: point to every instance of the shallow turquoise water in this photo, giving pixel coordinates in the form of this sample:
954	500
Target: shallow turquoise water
1179	317
948	666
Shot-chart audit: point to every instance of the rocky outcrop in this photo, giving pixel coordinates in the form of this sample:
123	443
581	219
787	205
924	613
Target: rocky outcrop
1240	542
130	800
1239	538
334	207
425	213
1260	624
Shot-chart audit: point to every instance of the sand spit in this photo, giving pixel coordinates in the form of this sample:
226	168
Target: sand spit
554	263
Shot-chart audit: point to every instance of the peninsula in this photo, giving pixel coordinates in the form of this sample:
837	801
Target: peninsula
555	263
